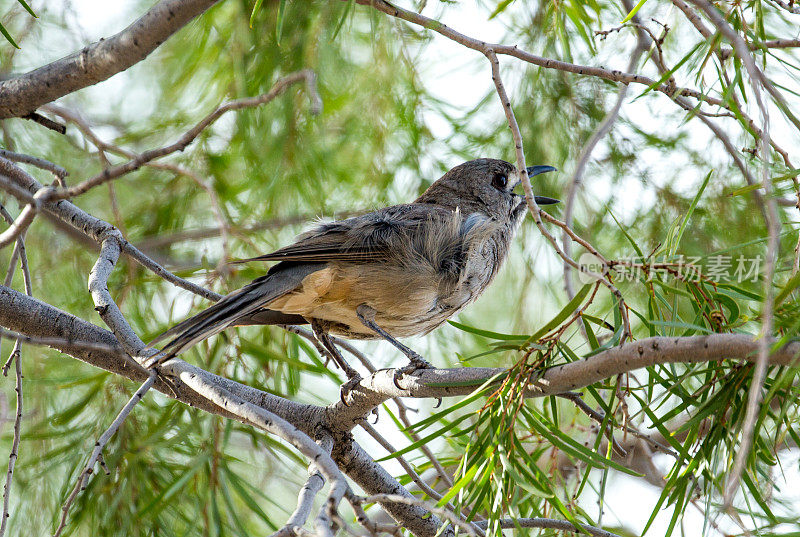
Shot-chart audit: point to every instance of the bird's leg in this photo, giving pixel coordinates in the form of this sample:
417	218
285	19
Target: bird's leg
366	315
353	377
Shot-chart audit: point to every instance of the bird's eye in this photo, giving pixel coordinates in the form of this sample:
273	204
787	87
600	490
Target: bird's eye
500	181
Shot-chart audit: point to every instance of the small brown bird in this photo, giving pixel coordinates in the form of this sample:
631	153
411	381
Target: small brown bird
395	272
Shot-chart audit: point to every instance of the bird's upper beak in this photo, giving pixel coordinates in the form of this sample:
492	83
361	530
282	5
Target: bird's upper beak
536	170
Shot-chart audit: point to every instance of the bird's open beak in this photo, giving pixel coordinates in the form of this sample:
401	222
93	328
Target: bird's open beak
536	170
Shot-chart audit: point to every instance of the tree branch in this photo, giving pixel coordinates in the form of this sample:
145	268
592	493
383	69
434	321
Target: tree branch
97	451
188	137
22	95
548	63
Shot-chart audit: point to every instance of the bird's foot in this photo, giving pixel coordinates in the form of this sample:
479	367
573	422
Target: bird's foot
347	387
415	363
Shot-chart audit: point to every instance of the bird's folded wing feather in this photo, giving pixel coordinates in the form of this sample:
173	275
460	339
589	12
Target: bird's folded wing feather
242	302
366	238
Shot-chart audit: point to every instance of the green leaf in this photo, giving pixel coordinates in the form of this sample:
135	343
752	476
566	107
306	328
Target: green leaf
347	8
501	6
570	308
279	22
689	213
672	71
487	333
633	12
745	189
8	36
28	8
424	440
790	286
458	486
253	14
477	394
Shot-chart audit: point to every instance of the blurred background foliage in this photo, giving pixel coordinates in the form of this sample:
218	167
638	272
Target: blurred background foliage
401	106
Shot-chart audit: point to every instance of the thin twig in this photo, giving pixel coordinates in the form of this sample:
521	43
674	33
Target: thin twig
547	63
188	137
547	523
448	515
26	216
534	208
46	122
41	163
12	458
757	81
88	469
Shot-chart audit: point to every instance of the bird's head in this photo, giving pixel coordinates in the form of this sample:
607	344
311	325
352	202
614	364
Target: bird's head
484	185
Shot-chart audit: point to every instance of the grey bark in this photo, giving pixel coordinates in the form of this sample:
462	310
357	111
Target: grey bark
94	63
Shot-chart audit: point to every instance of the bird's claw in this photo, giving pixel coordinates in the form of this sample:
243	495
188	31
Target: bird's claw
416	362
347	387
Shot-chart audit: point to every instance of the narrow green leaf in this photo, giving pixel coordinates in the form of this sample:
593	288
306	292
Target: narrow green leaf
745	189
633	12
478	393
8	36
627	235
347	8
501	6
279	22
790	286
694	203
487	333
256	7
458	485
669	73
571	306
424	440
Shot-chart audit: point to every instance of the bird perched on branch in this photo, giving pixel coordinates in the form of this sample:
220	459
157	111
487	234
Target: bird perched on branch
395	272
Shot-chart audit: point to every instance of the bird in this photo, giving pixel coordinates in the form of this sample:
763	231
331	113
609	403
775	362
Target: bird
392	273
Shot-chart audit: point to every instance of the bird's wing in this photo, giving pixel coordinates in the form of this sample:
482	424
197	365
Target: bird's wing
232	307
364	238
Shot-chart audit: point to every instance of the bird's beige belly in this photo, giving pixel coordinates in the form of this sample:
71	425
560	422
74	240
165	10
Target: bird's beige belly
405	304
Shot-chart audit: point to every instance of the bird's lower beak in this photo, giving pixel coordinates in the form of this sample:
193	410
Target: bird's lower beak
536	170
544	200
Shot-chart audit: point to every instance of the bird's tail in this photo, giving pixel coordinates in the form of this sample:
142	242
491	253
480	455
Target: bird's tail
242	302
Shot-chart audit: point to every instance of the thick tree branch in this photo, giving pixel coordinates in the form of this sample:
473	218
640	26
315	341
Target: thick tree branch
24	187
88	342
37	319
380	386
21	95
